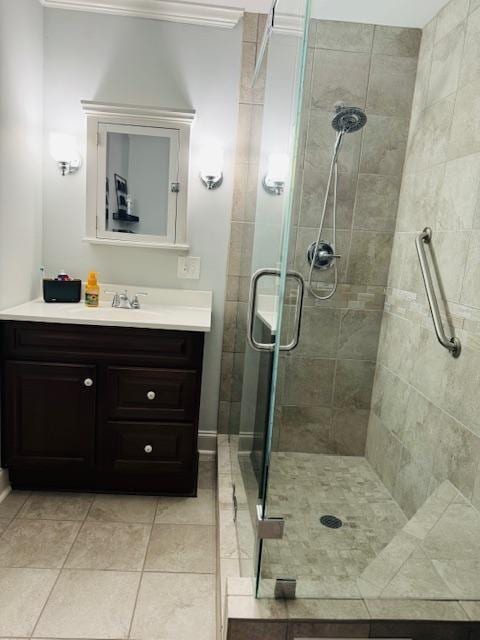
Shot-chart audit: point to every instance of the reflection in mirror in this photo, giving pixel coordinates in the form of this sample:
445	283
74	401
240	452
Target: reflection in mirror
137	184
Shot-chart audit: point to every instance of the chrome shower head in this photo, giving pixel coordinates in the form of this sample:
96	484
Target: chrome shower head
348	119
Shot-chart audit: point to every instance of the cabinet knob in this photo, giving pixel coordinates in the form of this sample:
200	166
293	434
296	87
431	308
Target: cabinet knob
148	448
151	395
88	382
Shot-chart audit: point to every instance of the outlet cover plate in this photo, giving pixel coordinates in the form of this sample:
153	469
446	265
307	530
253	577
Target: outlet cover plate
188	267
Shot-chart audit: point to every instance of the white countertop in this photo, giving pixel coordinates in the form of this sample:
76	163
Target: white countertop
267	311
173	309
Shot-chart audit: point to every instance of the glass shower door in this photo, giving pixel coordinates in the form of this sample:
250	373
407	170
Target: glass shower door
279	73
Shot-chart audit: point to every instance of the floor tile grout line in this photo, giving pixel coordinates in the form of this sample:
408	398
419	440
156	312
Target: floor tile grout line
142	572
59	574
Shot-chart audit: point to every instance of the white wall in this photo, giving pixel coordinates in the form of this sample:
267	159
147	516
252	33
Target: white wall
21	42
146	62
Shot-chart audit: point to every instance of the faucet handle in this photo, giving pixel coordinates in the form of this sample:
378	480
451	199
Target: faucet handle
116	298
135	301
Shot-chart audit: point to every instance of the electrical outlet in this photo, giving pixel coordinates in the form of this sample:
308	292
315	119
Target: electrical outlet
188	267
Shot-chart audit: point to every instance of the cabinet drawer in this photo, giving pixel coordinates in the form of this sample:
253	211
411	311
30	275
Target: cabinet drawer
147	448
60	342
151	394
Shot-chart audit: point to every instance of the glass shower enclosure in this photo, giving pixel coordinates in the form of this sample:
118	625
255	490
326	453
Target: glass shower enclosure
356	459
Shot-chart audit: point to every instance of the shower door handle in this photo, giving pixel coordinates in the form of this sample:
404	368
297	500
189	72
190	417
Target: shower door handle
270	346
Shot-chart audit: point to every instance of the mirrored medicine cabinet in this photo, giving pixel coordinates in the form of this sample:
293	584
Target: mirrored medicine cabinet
137	175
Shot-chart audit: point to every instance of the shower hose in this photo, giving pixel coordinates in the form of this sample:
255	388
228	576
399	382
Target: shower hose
332	175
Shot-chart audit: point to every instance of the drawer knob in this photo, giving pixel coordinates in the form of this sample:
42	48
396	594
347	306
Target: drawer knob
88	382
148	448
151	395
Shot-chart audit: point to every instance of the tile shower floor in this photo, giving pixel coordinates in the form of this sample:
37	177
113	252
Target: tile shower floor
378	552
108	566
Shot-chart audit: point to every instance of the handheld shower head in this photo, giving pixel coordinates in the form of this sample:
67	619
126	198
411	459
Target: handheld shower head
348	119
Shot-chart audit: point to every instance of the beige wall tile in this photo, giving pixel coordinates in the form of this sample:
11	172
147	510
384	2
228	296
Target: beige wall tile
250	26
384	145
344	36
339	76
391	85
376	202
446	64
353	383
319	334
471	290
349	431
465	133
306	429
369	258
359	333
310	381
450	16
397	41
470	70
459	194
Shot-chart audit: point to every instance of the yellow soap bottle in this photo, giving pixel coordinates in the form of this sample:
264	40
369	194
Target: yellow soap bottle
92	290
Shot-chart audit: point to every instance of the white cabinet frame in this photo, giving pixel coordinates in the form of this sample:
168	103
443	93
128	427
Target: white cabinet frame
104	116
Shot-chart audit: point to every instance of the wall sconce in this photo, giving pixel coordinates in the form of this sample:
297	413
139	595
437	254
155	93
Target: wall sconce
211	174
63	149
274	180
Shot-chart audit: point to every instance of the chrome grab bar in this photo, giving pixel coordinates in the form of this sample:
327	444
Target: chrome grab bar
270	346
452	344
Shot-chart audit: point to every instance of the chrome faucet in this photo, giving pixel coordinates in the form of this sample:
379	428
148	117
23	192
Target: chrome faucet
122	301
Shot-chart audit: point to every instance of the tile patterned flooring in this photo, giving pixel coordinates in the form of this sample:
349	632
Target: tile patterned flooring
303	487
377	553
109	566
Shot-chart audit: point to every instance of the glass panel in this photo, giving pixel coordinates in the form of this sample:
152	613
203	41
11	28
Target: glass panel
376	448
271	162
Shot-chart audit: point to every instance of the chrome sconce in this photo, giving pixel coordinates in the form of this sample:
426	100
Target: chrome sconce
63	149
274	180
212	164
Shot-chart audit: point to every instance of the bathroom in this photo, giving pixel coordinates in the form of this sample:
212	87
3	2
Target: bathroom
253	413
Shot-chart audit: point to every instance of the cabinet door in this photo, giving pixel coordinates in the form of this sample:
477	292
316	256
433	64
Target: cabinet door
50	418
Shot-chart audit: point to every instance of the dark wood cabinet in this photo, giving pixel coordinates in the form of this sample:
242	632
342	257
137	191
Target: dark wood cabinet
101	408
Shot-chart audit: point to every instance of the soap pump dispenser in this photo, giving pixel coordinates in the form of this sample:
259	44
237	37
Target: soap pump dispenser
92	290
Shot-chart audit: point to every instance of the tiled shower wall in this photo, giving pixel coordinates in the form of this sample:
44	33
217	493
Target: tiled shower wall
242	226
425	422
327	381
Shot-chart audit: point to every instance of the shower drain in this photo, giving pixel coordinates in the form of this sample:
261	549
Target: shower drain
332	522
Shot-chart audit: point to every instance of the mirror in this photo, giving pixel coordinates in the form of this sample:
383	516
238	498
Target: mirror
137	176
142	173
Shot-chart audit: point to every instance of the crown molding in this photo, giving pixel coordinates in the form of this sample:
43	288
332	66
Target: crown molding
172	11
115	109
289	24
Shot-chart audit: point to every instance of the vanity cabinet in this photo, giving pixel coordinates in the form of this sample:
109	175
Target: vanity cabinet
101	408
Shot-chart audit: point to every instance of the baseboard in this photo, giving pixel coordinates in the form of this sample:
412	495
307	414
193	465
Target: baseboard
5	487
207	444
